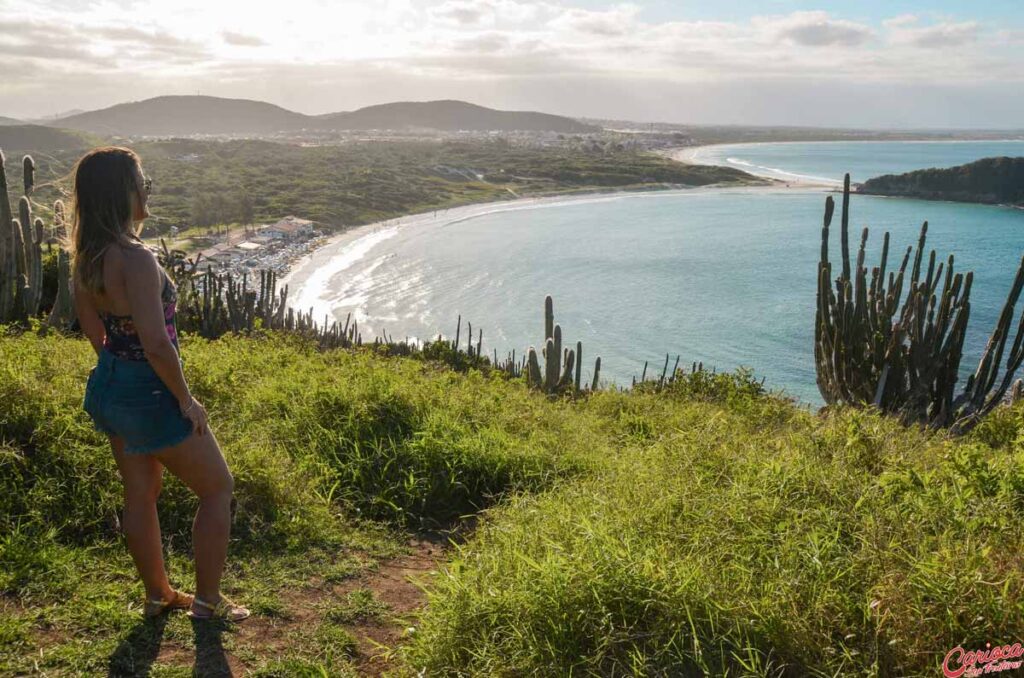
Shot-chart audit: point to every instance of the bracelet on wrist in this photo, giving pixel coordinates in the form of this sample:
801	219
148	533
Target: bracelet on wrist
191	404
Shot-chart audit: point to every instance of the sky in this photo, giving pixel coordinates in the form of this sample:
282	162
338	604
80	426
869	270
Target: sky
871	63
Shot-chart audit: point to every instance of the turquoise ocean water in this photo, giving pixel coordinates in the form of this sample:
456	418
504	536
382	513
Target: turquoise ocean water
828	161
726	277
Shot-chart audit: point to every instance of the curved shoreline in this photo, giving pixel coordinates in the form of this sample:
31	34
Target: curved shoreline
689	156
308	276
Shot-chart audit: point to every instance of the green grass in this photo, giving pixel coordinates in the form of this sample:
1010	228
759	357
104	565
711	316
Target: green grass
335	455
745	539
707	528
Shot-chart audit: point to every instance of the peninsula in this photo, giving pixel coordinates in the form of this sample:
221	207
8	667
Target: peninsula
989	180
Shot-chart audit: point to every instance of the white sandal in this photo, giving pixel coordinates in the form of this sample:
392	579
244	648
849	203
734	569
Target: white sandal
224	609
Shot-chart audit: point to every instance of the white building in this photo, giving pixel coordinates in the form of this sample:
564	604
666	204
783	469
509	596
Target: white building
217	254
289	227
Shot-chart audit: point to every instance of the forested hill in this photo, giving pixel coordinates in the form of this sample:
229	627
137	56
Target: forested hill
451	115
990	180
38	138
184	115
187	115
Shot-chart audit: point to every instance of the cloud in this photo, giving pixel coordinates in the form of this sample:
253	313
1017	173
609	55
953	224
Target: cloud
901	20
817	29
103	46
614	22
132	34
455	48
462	12
46	41
58	52
502	14
905	31
484	42
242	39
1010	36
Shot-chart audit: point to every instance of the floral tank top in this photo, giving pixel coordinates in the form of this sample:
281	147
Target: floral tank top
123	341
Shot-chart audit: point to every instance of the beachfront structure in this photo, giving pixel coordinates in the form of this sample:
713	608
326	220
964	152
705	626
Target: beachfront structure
289	227
219	253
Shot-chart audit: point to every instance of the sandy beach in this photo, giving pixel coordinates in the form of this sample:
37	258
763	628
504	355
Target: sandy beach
690	155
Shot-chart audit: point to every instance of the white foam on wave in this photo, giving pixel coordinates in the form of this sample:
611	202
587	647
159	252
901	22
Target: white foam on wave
356	290
316	290
775	172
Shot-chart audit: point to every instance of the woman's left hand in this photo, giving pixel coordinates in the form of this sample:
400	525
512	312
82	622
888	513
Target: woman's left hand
197	415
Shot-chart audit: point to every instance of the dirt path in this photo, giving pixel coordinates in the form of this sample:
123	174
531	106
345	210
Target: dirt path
396	601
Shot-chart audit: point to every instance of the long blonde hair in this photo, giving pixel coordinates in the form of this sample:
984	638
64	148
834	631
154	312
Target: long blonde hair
101	210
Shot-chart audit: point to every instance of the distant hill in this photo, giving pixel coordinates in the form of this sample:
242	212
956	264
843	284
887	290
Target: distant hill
990	180
188	115
10	121
47	119
185	115
35	138
450	115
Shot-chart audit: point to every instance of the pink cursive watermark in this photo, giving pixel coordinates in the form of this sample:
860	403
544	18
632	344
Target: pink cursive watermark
967	663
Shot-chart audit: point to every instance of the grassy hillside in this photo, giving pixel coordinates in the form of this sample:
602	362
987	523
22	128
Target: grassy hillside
39	138
989	180
200	183
706	527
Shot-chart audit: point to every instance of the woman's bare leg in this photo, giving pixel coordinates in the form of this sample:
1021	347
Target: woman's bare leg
198	462
142	476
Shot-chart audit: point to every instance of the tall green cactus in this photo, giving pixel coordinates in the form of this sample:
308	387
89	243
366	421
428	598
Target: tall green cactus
905	359
7	262
28	173
63	313
21	252
559	364
19	275
32	236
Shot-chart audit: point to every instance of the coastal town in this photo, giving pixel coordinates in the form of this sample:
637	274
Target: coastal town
263	246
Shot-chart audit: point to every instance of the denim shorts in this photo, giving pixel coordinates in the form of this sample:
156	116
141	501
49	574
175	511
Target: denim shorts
127	398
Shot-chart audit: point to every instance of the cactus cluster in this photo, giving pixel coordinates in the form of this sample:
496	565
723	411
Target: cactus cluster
560	365
666	377
872	346
510	365
471	352
212	304
21	256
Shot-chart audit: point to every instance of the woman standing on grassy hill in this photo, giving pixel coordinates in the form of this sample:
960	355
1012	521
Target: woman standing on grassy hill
137	392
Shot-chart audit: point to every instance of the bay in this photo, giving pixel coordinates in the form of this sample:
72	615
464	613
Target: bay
721	276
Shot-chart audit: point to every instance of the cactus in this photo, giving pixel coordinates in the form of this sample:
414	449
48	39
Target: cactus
18	275
870	350
7	259
63	313
35	266
1016	393
21	250
559	364
29	173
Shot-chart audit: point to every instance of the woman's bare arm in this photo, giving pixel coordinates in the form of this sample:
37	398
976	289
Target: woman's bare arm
143	282
88	318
